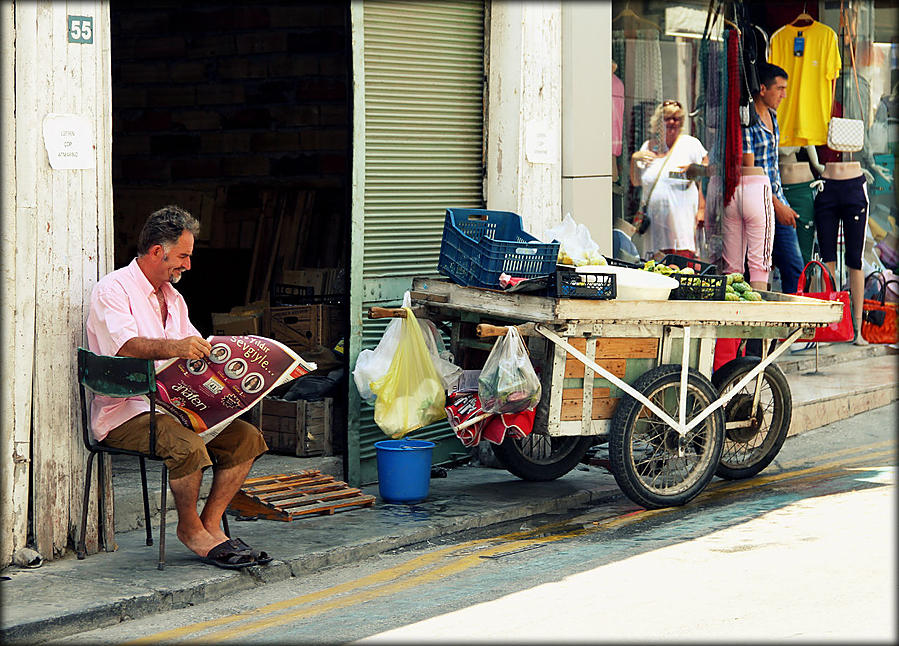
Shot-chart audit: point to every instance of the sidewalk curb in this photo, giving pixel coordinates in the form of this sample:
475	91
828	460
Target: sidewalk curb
220	584
816	413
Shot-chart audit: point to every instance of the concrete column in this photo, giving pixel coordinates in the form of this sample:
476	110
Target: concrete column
524	96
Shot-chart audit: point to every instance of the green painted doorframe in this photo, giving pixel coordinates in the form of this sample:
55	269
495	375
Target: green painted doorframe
418	85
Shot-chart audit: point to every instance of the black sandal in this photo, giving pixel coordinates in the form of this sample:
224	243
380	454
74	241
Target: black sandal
230	557
261	557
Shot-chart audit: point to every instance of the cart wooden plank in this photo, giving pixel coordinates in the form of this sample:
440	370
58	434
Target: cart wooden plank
774	310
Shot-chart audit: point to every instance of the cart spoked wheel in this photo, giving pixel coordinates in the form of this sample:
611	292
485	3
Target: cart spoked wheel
541	457
752	439
654	466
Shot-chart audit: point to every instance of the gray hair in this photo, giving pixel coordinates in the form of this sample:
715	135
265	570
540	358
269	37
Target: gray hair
165	227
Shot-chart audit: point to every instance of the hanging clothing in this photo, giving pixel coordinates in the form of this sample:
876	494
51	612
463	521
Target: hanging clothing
733	137
805	112
617	114
639	59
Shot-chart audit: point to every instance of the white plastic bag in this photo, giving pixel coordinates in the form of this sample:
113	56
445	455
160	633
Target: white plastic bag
508	382
443	359
372	365
576	245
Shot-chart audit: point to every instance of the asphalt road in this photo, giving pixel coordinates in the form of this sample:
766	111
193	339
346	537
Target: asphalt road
806	550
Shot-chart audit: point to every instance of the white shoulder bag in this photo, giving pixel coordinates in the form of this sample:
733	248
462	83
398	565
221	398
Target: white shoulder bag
846	135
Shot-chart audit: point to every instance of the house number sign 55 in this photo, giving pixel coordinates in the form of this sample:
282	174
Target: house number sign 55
81	30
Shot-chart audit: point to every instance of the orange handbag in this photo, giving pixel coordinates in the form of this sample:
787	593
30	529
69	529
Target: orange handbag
879	317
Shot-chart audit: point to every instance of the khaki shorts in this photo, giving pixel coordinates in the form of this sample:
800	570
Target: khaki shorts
182	450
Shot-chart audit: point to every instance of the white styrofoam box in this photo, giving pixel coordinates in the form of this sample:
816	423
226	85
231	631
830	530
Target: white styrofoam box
635	284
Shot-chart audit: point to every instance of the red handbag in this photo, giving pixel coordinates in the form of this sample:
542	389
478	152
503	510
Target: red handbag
879	317
839	330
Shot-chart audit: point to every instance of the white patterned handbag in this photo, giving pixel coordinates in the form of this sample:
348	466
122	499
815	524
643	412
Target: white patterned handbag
845	135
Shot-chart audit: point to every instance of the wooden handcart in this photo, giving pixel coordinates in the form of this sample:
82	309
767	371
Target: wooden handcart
638	375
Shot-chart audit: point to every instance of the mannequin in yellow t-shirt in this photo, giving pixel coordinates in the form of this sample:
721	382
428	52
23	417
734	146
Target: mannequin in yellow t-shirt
810	55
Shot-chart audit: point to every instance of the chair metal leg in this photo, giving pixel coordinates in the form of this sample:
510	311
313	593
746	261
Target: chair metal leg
81	550
165	485
143	483
101	503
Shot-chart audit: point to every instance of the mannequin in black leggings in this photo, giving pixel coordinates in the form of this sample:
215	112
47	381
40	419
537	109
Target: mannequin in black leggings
844	199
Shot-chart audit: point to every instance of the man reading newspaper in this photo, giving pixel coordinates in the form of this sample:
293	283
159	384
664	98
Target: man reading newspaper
135	312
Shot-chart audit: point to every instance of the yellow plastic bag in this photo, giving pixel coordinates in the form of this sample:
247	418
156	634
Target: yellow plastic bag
410	395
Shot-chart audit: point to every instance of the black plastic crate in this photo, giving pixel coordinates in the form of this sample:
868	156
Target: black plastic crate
282	294
699	266
698	287
615	262
596	286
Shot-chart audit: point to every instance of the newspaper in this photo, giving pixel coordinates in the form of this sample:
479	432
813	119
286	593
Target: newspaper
208	394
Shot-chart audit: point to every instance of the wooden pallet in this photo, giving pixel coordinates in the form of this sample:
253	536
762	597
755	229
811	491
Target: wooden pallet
289	496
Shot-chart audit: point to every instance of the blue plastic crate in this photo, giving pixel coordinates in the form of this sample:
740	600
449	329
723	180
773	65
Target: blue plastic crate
479	245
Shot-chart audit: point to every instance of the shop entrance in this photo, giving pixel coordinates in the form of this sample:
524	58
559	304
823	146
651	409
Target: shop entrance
241	115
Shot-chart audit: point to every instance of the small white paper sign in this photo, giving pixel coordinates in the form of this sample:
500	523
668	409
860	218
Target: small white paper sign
69	141
541	146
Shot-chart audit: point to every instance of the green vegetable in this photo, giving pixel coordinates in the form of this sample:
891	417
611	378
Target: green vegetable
752	296
729	289
734	278
731	296
741	287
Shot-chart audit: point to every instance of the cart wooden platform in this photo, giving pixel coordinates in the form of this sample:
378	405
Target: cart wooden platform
638	375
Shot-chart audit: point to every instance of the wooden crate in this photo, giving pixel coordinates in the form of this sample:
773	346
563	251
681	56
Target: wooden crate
303	327
300	428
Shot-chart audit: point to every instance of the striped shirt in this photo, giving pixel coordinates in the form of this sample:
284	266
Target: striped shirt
761	142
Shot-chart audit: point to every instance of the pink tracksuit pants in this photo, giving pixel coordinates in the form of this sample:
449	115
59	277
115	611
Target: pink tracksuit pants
747	228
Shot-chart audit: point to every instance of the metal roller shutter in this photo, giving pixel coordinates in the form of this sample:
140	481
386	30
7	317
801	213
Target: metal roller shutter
423	139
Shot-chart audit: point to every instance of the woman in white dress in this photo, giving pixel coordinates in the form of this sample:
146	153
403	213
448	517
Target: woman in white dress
674	204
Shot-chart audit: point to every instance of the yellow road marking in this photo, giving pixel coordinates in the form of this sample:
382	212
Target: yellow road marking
459	565
384	582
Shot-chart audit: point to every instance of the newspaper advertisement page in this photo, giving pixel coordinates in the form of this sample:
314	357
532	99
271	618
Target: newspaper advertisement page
207	394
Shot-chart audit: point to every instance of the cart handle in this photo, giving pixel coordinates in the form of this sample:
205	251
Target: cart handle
386	313
375	312
486	330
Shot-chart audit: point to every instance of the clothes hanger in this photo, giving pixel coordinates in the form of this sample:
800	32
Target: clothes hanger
803	17
732	25
627	12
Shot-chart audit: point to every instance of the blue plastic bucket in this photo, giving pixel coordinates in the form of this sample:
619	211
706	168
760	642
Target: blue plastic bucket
404	469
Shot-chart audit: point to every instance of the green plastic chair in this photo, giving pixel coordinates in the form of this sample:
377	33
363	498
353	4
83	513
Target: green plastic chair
120	377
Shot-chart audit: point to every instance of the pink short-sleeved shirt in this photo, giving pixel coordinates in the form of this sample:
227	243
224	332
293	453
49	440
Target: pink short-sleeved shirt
124	306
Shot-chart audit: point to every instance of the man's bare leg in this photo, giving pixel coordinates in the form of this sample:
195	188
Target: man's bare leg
191	530
225	483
